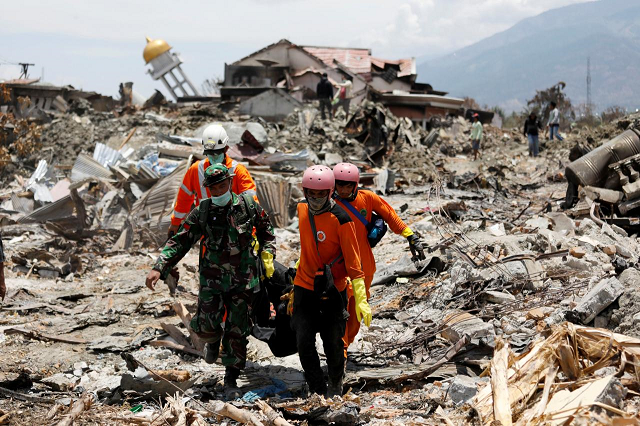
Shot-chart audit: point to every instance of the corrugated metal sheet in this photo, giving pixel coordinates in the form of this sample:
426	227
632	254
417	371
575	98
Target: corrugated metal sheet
106	156
60	209
41	193
86	167
146	172
357	60
156	205
22	204
40	173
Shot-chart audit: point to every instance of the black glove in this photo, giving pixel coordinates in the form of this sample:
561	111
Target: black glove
417	247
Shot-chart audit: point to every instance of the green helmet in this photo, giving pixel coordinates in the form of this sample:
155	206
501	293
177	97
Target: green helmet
215	174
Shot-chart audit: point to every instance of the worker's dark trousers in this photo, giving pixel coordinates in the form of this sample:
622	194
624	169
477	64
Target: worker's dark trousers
327	316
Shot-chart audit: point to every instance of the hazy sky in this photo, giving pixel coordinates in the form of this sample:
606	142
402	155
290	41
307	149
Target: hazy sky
96	44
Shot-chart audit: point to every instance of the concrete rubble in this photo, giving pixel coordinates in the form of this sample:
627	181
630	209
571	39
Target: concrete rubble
518	289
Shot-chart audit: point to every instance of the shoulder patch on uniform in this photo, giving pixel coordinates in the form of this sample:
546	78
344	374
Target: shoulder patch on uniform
342	216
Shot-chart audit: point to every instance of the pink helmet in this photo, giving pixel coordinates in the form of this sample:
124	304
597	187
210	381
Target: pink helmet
347	172
318	177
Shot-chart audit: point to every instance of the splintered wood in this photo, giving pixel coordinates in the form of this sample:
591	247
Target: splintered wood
554	382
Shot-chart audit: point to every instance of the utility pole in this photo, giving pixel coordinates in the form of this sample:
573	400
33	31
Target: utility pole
25	69
589	106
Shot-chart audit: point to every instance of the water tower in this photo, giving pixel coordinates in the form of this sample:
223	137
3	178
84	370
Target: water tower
163	63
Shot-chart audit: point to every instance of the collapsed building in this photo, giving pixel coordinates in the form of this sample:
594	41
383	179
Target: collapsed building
285	67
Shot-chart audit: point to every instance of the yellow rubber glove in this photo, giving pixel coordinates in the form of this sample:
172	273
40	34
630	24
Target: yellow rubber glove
297	264
363	310
267	261
407	232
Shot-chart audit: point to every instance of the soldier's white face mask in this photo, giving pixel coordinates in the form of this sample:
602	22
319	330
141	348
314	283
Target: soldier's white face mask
222	200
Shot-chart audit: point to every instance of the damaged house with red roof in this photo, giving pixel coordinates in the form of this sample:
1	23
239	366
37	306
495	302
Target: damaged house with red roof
278	78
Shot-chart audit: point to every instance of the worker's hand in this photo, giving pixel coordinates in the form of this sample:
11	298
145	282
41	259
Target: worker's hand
152	279
172	230
363	310
417	246
3	288
267	261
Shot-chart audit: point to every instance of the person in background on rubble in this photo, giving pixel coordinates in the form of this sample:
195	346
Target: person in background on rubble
327	242
324	90
344	95
476	135
531	127
361	204
229	267
3	287
193	190
554	123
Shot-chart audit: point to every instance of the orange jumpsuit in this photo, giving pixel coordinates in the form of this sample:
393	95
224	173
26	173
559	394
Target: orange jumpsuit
367	203
336	234
192	188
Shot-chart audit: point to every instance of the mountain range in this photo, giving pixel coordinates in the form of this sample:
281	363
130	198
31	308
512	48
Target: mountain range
506	69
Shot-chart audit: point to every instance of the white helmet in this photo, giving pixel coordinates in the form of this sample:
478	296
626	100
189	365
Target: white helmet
214	138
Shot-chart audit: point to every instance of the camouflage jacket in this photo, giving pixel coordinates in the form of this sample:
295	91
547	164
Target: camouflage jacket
227	259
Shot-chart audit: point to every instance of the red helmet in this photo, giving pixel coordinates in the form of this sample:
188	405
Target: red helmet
319	177
346	172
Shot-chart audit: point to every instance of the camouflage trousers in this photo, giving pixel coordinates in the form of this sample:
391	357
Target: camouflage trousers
234	309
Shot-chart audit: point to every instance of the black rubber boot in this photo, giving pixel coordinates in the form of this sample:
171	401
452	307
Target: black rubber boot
211	351
335	387
231	389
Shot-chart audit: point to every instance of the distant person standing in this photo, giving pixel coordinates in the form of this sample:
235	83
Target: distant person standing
344	95
476	135
554	122
324	90
531	127
3	288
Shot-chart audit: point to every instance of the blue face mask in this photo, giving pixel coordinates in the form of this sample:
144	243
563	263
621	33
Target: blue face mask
216	159
222	200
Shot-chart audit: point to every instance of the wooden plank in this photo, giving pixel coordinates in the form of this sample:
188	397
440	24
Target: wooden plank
176	334
46	337
172	345
185	316
499	367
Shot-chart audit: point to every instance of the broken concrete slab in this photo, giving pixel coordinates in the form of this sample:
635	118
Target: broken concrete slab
61	382
597	299
463	388
498	297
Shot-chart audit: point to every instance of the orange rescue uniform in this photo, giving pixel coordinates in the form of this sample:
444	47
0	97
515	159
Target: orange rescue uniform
336	234
367	203
192	188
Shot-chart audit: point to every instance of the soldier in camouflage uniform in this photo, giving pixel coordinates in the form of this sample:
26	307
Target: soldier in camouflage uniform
228	267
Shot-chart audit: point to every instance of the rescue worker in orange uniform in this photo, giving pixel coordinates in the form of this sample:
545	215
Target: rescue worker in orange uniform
366	203
216	144
327	240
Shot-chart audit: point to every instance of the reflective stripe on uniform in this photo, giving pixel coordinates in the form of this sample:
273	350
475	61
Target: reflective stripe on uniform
203	190
186	190
179	215
250	192
234	164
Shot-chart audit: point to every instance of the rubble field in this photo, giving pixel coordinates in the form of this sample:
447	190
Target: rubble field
526	311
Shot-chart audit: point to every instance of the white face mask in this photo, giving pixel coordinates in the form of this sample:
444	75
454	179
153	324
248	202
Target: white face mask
222	200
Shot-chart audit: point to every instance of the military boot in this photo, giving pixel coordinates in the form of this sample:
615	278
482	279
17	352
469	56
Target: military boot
211	351
335	387
231	389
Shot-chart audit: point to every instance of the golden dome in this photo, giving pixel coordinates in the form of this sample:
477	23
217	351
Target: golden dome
154	48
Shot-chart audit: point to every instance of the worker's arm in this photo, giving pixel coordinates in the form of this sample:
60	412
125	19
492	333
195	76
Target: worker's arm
180	244
350	250
243	182
387	213
186	193
266	239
